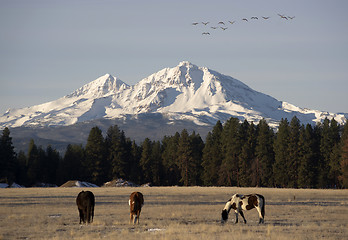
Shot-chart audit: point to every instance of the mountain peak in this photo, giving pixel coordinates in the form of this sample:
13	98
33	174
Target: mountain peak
183	92
104	85
186	63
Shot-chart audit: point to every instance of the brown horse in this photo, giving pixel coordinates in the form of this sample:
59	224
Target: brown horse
85	202
136	201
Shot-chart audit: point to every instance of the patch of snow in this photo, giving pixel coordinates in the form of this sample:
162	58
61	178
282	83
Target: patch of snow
74	183
155	229
13	185
120	183
85	184
4	185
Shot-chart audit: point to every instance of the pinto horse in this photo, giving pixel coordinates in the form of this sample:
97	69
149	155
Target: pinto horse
85	202
240	202
136	201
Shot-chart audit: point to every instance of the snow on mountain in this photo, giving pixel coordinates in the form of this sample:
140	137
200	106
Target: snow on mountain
185	92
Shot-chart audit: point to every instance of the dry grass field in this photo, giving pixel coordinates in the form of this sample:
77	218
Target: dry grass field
173	213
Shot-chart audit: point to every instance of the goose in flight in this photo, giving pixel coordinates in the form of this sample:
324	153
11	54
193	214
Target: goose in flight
214	27
282	16
221	23
223	28
195	23
245	19
254	18
205	33
265	18
291	17
205	23
231	22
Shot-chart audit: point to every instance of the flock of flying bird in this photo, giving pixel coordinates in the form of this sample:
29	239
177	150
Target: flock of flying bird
222	24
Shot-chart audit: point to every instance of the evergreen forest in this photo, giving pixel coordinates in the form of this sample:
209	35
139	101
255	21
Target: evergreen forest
233	154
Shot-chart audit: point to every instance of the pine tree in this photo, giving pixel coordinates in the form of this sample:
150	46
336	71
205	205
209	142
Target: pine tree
41	165
197	146
293	149
344	164
231	148
156	163
117	152
145	160
135	173
185	158
71	167
8	160
329	138
21	172
33	163
247	155
172	173
95	162
264	156
51	164
281	151
212	156
344	157
307	169
335	156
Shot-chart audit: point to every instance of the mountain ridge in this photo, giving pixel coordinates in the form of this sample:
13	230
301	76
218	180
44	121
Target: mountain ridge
184	92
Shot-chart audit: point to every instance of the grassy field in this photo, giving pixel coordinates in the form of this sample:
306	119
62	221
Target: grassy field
173	213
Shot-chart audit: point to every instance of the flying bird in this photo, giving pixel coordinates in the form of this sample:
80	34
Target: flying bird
291	17
221	23
282	16
223	28
231	22
265	18
214	27
205	33
254	18
195	23
245	19
205	23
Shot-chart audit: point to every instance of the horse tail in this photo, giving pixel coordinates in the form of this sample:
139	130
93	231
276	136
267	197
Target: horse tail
262	205
92	210
88	211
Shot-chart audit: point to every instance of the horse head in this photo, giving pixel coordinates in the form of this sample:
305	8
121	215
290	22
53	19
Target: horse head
224	216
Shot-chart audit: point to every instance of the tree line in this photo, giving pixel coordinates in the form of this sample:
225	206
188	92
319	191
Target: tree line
233	154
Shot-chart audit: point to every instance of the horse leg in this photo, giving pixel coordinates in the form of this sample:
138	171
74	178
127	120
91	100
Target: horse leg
236	212
85	216
261	220
81	215
138	216
242	214
131	218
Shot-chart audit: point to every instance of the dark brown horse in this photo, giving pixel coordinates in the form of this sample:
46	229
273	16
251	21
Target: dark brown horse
85	202
136	201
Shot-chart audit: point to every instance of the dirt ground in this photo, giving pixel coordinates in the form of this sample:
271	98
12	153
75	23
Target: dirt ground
173	213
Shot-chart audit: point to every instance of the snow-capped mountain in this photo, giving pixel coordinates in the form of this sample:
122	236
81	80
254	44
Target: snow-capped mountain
185	92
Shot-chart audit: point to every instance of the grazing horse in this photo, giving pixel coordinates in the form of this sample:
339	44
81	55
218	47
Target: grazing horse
85	202
241	202
136	201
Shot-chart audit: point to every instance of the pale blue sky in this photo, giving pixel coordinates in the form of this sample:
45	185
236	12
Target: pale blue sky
48	49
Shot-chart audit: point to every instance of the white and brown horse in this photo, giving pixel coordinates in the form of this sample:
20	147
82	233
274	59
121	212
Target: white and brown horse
240	202
136	201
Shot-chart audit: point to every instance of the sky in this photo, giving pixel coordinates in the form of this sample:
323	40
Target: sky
49	49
